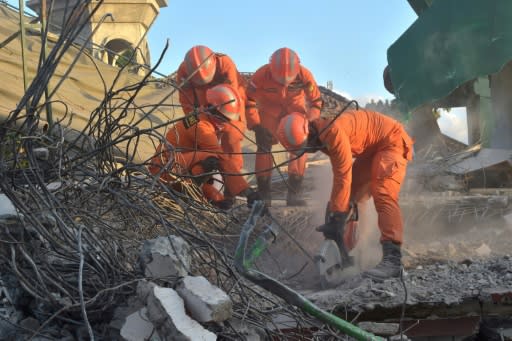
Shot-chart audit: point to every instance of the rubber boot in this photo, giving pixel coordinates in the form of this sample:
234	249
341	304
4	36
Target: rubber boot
295	191
264	189
390	265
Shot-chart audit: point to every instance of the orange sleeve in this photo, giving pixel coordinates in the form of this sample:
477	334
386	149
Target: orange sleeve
234	183
233	77
208	141
229	71
338	146
186	92
205	137
253	88
313	95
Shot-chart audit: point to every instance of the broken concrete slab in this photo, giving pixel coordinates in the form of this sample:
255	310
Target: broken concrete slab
381	329
138	327
6	206
205	301
165	257
166	310
130	306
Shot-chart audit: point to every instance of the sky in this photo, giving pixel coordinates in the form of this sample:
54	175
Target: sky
337	40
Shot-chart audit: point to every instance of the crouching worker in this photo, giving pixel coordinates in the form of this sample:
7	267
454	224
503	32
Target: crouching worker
192	147
381	149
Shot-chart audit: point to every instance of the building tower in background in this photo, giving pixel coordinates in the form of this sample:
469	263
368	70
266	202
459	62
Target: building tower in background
115	40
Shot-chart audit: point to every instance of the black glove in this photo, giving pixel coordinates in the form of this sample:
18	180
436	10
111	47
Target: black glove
263	138
252	196
334	226
210	164
225	204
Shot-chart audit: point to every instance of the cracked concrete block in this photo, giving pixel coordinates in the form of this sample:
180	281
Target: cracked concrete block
130	306
138	327
166	310
165	257
205	301
6	206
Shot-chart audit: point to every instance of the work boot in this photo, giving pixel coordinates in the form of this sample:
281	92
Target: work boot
390	265
295	191
264	189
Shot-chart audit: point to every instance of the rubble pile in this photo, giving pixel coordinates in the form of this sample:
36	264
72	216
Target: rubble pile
442	284
85	223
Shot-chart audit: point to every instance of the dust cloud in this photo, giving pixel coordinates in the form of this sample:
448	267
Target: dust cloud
367	252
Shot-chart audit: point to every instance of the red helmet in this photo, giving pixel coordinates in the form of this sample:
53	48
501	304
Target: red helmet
284	65
226	100
293	131
202	59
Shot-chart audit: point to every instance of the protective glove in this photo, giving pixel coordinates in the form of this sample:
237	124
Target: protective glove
334	226
210	164
252	196
263	136
225	204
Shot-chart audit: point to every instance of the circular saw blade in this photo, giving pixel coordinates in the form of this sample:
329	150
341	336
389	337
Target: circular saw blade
329	264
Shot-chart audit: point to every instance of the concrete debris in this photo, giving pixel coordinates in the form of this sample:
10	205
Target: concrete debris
204	301
41	153
381	329
166	310
138	327
165	257
6	206
483	251
30	323
248	332
439	285
121	313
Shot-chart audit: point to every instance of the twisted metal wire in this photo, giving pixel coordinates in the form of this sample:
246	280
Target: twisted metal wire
86	211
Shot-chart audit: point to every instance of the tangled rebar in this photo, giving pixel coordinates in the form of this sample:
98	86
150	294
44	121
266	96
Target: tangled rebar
85	204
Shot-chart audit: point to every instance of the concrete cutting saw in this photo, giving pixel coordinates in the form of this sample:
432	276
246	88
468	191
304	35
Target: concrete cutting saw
333	256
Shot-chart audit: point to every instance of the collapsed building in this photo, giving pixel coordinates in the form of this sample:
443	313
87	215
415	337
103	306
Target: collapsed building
94	247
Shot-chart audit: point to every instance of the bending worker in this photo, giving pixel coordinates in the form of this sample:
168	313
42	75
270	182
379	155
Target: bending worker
382	149
276	89
201	70
193	145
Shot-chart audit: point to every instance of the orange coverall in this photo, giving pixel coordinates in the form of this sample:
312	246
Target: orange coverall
268	101
382	149
193	145
193	96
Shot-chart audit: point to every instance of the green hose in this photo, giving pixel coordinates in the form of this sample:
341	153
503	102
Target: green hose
244	265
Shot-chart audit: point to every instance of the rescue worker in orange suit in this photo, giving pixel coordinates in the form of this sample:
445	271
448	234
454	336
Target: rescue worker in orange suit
193	146
381	148
202	69
276	89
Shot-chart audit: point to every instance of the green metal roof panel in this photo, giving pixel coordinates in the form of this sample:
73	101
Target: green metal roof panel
448	45
420	5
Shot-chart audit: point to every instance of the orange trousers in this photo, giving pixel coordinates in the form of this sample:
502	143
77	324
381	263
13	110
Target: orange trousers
380	175
231	143
185	163
264	162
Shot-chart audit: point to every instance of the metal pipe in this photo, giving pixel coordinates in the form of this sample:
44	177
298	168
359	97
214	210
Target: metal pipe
23	44
244	263
44	33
